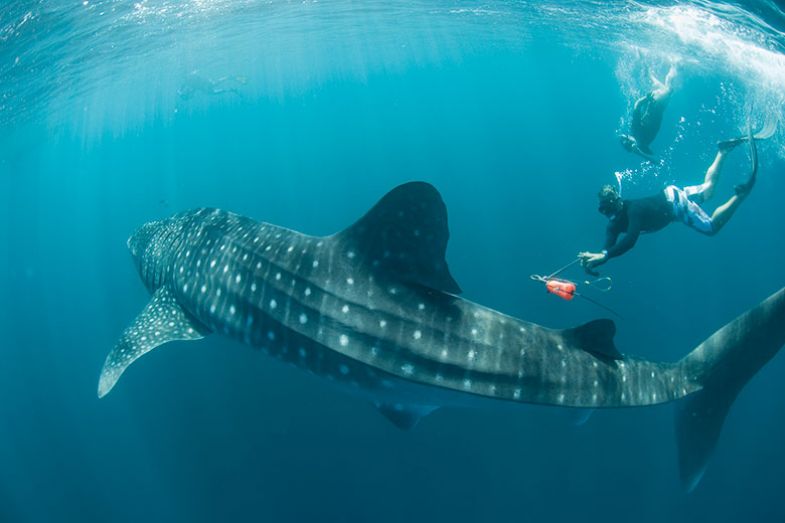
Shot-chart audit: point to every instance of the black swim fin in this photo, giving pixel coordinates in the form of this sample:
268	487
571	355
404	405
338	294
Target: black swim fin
727	145
768	130
744	188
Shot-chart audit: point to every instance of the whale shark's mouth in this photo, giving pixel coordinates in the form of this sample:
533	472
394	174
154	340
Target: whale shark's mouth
147	236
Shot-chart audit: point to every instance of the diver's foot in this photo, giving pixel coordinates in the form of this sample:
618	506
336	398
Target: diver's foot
743	189
727	145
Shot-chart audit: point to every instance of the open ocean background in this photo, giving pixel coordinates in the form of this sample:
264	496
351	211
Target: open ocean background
303	114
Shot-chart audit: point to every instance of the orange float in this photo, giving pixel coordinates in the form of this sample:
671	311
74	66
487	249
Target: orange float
561	288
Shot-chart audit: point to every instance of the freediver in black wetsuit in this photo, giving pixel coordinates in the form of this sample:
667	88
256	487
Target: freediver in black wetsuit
647	116
643	215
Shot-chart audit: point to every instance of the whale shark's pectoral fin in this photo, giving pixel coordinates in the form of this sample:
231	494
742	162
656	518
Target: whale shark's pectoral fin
404	416
162	321
404	236
595	337
580	417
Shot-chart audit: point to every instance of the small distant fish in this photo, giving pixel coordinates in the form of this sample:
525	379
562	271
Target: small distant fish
196	83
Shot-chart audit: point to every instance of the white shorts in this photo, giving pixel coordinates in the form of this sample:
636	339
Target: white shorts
686	207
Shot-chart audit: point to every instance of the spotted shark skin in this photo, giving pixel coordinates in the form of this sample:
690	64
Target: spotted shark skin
375	309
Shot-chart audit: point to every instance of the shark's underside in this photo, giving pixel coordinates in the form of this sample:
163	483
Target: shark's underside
375	308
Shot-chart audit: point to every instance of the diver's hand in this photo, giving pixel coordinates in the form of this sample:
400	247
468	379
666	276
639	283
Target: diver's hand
589	260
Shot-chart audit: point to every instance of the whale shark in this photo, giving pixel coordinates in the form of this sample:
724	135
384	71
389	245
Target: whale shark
375	309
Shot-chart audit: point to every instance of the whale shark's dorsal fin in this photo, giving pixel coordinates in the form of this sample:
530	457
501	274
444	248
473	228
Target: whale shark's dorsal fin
404	236
163	320
595	337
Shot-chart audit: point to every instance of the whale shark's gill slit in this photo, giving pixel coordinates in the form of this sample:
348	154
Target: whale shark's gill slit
323	283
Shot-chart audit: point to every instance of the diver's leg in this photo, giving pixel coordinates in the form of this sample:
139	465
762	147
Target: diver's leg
656	81
662	90
670	77
712	175
724	212
689	212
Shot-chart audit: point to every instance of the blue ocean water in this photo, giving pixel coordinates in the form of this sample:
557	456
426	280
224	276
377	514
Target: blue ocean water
303	114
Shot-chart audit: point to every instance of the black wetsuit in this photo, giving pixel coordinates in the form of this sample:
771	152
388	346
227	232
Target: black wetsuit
637	216
646	121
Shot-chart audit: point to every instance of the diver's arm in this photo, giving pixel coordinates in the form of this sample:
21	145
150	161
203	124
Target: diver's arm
593	259
611	235
636	107
626	243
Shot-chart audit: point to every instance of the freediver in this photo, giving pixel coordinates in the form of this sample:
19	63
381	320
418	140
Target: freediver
644	215
647	116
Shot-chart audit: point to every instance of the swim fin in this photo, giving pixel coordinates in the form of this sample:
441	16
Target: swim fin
743	189
768	130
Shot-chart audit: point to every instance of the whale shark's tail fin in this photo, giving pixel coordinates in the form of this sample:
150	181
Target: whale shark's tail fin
721	366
